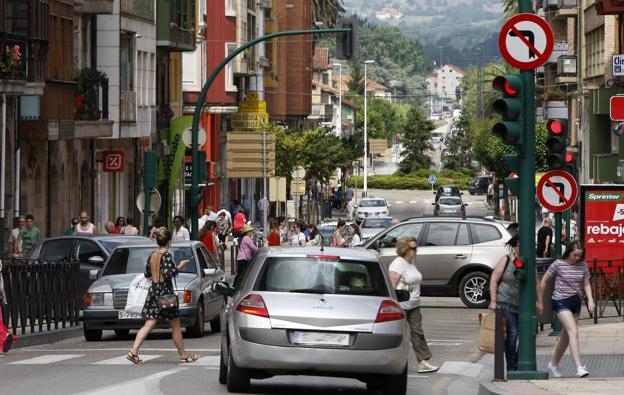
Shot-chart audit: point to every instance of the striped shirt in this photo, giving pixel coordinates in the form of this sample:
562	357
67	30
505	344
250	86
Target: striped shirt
569	279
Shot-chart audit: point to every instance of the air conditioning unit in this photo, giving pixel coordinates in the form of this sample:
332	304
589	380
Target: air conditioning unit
559	49
567	4
566	65
551	4
265	3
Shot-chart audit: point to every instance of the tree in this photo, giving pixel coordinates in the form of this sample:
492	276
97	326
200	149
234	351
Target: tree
382	118
416	141
459	144
356	83
328	11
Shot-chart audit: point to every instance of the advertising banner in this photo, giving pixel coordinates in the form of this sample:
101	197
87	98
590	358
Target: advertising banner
602	222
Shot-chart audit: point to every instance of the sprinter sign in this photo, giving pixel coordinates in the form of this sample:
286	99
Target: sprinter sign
602	221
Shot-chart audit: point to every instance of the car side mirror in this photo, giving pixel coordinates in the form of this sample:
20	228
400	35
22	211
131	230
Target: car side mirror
465	204
461	193
433	204
96	260
94	274
223	288
374	245
388	205
402	295
210	272
434	193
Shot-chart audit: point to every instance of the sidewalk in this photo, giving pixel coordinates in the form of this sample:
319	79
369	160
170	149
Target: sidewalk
602	352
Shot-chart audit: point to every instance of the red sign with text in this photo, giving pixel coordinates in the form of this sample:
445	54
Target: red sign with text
602	222
114	161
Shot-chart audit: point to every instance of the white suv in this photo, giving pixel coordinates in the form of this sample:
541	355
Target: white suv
371	207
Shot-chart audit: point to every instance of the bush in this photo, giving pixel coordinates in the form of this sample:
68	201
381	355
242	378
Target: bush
416	180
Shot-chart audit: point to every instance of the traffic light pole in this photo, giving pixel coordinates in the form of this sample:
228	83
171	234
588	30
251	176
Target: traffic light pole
194	192
558	234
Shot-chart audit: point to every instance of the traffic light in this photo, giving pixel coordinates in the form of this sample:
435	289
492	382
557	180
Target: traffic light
348	44
520	270
512	182
510	108
570	163
556	143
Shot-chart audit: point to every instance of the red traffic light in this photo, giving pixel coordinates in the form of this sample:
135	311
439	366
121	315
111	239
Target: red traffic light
555	126
569	157
509	90
518	263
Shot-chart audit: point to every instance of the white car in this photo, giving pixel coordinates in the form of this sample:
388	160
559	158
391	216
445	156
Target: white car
371	207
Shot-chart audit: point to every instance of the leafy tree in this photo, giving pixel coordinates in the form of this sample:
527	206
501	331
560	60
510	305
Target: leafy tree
416	141
328	11
459	145
289	148
356	84
382	118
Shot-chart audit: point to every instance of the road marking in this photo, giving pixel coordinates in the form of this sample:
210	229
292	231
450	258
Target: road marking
413	201
124	361
46	359
149	385
209	360
117	349
399	202
417	376
443	344
461	368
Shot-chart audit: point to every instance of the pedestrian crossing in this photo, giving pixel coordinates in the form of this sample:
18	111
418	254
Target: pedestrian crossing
102	359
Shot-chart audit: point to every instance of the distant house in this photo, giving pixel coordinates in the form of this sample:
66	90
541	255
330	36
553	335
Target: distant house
443	81
375	89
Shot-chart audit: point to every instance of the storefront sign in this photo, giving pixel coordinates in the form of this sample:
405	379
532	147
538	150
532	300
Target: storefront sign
602	222
618	65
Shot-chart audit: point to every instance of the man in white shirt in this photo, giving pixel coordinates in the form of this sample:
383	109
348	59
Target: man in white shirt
180	233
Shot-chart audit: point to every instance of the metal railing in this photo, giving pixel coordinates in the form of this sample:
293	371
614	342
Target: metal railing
41	296
10	46
607	279
144	9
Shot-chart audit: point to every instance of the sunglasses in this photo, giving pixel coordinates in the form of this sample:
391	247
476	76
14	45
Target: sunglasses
414	248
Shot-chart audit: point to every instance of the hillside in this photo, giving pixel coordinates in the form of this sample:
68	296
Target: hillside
456	31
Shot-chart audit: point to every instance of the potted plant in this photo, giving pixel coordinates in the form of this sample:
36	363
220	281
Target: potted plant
86	95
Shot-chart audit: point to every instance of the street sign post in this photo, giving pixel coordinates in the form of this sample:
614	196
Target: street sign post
526	41
557	190
432	180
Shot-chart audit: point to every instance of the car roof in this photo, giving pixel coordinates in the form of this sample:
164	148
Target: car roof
372	198
120	238
346	253
151	244
427	218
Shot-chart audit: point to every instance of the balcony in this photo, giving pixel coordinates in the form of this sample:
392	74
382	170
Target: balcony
102	7
91	105
22	64
127	107
175	25
142	9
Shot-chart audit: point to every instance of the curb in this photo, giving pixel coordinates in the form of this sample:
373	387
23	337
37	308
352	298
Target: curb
47	337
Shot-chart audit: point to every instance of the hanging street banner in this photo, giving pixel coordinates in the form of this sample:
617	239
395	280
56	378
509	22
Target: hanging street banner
526	41
602	222
171	164
252	113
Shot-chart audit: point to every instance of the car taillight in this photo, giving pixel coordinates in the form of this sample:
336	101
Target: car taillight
188	296
88	299
389	311
253	304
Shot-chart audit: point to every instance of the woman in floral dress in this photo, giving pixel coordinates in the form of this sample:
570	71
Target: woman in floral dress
161	269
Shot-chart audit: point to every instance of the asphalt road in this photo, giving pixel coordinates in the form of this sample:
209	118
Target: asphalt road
75	366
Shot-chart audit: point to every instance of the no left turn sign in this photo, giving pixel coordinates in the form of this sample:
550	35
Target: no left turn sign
526	41
557	190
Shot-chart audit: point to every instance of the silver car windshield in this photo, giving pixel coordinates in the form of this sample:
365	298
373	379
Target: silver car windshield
377	223
134	260
322	275
372	203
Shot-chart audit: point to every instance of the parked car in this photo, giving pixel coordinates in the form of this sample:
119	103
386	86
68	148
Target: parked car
370	207
90	252
327	229
479	185
372	225
106	298
293	313
449	205
455	255
447	190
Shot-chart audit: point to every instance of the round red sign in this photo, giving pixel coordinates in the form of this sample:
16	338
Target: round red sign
526	41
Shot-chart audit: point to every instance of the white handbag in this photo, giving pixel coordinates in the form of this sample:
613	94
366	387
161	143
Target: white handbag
137	293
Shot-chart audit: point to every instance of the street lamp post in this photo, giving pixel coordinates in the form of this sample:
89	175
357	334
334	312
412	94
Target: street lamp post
365	187
339	115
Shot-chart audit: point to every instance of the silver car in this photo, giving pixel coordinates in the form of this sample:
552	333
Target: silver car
371	207
106	298
455	255
371	226
449	205
313	312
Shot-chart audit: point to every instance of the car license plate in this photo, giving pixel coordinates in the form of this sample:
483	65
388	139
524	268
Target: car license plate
320	339
124	315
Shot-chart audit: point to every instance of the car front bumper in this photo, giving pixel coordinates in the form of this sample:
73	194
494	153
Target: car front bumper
109	319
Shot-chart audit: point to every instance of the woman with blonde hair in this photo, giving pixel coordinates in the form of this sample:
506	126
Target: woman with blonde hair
404	275
162	270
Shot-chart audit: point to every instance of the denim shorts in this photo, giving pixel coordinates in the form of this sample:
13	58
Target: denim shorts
572	304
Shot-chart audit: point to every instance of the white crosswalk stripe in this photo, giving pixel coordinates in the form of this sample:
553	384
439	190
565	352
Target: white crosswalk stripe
208	360
46	359
399	202
124	361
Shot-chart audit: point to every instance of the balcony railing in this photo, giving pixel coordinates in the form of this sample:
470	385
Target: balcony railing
91	97
13	57
143	9
127	106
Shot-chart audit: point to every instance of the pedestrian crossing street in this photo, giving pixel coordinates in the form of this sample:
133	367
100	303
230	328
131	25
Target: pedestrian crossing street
102	358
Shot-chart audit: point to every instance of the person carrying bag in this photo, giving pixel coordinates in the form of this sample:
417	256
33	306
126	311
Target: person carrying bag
161	301
137	294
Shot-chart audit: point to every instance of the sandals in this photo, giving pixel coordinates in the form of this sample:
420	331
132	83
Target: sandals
189	358
132	357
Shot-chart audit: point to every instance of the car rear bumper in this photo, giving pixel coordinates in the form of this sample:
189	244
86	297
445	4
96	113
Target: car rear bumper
109	319
308	360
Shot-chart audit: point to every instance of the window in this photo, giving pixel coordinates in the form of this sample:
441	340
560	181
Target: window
229	8
594	64
229	70
441	234
389	239
56	250
327	276
202	259
86	249
484	233
126	62
326	78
